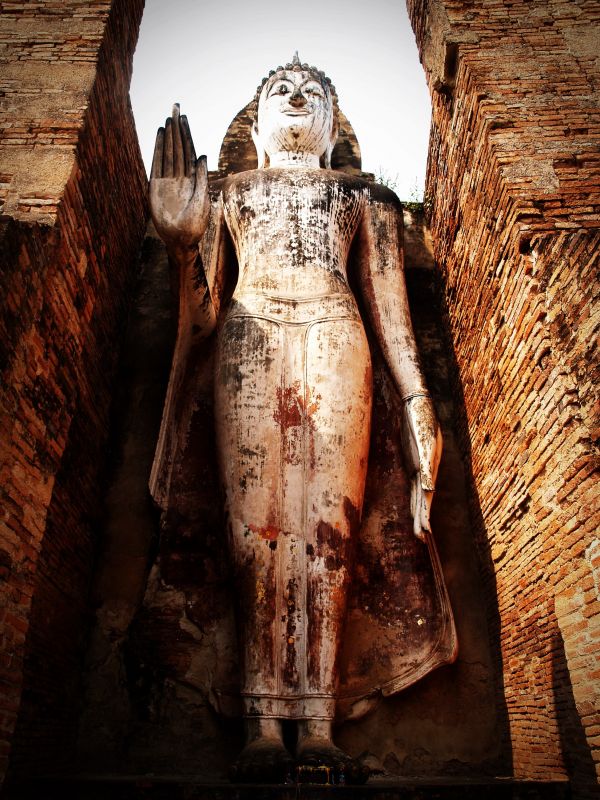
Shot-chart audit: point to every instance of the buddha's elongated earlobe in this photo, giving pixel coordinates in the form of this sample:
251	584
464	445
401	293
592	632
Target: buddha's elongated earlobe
260	150
331	145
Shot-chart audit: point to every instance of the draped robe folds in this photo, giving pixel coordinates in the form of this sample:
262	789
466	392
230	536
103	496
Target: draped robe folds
337	602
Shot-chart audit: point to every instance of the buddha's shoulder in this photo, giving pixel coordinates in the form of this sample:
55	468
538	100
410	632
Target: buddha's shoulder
305	178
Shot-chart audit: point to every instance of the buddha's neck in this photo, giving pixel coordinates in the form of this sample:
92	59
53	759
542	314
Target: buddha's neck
285	158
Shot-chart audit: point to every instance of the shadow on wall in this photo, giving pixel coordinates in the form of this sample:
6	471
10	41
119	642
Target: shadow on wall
142	710
486	564
45	733
577	756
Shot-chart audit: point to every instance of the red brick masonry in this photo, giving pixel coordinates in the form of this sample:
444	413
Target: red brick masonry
74	187
514	173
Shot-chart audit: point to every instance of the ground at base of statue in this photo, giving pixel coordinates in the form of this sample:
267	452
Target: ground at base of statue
151	787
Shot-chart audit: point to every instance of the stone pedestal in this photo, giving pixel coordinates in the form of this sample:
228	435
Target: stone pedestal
187	788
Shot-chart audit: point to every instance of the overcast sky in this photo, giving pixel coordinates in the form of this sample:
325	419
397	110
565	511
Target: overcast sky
209	55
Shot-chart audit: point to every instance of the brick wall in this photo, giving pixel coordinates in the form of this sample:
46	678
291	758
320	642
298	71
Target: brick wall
73	192
512	188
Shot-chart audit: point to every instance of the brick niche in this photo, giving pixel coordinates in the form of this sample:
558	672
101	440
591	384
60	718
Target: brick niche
512	197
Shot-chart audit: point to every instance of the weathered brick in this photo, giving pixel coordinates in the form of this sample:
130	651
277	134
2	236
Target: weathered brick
64	204
513	170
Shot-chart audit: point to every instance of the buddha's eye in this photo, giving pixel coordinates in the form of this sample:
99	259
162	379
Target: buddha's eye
282	89
314	90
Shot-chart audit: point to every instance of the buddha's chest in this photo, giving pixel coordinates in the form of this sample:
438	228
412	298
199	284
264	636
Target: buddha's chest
293	210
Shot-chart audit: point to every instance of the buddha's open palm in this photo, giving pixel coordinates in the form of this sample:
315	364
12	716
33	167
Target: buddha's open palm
179	201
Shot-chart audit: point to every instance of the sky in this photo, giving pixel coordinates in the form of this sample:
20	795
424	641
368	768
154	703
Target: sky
210	55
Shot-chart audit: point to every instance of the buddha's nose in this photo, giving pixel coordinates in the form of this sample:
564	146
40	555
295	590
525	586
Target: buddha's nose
297	99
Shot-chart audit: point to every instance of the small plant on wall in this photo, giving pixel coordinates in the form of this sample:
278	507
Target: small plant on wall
415	198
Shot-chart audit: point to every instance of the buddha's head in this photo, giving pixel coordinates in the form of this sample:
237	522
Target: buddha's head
296	117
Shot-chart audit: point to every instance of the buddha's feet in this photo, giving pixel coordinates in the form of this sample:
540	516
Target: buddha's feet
264	760
315	751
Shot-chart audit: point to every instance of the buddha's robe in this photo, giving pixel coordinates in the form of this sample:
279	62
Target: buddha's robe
293	394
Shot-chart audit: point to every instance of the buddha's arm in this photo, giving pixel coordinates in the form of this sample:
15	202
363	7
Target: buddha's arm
183	216
381	276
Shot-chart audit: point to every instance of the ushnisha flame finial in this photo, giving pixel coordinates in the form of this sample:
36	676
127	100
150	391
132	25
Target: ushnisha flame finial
296	60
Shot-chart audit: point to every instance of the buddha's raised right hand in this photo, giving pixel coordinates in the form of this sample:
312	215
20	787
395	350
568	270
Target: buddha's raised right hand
179	201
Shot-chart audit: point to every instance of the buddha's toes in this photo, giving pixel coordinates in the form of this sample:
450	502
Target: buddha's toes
265	760
321	752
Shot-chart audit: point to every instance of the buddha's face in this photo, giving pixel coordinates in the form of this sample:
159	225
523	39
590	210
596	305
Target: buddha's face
295	115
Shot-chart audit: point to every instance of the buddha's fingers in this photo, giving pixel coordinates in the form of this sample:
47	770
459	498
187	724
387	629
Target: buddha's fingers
420	508
168	150
189	153
201	188
157	158
426	500
178	161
